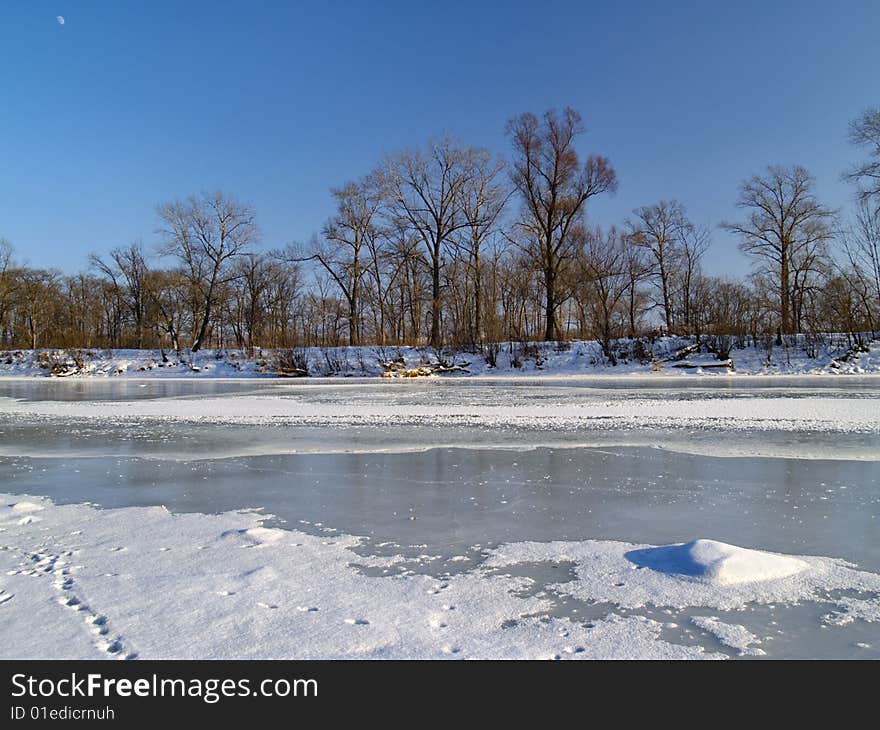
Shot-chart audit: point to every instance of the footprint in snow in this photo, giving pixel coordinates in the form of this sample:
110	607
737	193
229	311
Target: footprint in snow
266	605
357	621
111	646
98	624
306	609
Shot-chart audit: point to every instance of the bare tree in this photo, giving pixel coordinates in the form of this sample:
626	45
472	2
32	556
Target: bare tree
604	273
169	293
694	245
638	269
8	286
861	249
37	293
425	190
483	200
661	229
785	228
205	234
127	272
554	188
864	131
348	237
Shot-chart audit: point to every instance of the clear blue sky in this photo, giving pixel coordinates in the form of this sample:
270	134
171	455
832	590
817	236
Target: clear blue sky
130	104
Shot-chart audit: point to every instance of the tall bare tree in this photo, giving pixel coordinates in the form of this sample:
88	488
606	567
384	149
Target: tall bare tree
861	249
127	271
695	243
425	190
483	200
661	229
786	225
864	131
348	238
554	187
206	234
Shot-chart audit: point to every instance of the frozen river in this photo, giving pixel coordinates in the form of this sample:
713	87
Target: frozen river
438	474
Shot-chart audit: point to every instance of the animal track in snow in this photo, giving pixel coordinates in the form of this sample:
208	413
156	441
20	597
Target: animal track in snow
45	564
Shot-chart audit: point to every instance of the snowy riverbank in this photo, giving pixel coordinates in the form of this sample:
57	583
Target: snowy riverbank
78	582
831	355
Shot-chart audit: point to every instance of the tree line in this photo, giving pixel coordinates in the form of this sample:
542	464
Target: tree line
449	245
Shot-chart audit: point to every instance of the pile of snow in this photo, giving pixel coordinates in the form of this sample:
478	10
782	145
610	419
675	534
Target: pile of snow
717	562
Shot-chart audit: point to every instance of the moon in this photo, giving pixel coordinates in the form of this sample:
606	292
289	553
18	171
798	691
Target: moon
59	19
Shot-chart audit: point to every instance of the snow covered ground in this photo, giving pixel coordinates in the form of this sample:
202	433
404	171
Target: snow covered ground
668	356
78	582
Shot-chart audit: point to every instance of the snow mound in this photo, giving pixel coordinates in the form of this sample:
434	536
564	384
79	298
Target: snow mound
717	562
256	535
24	507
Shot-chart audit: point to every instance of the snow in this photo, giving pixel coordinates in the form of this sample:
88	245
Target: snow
627	410
732	635
141	582
849	609
714	575
578	357
717	563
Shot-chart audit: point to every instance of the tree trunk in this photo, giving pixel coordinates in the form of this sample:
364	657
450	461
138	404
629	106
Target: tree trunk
550	306
435	301
785	306
478	323
667	305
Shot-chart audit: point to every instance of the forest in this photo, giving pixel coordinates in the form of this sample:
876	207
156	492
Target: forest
451	246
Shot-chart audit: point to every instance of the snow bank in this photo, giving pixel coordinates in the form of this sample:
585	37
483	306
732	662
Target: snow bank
659	358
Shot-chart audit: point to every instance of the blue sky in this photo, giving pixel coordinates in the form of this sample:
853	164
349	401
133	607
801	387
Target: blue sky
130	104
